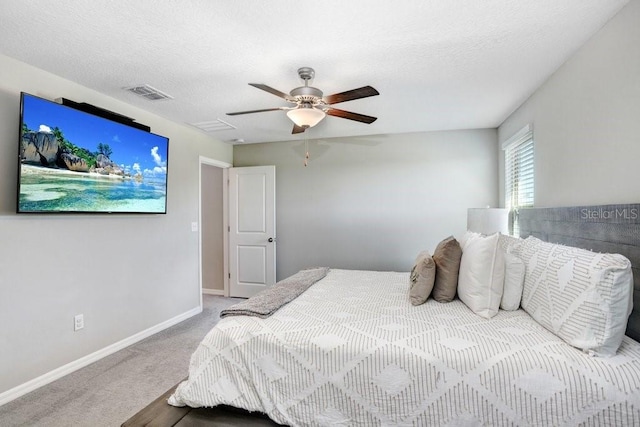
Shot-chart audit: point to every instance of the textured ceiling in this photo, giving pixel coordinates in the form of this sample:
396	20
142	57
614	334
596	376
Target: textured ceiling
438	64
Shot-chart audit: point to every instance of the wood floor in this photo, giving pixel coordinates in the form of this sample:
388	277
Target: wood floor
160	414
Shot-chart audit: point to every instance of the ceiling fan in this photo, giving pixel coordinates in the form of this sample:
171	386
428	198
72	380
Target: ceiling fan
310	106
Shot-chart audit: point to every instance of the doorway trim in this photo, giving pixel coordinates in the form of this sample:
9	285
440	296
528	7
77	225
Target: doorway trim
225	221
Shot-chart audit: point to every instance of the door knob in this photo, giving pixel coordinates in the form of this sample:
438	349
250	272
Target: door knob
271	240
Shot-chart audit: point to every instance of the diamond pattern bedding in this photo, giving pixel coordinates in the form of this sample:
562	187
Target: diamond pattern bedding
352	350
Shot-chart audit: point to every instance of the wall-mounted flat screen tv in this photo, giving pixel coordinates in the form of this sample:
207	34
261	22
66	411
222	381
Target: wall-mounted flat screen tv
74	162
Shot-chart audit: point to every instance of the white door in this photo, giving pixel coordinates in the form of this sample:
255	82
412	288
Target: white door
252	230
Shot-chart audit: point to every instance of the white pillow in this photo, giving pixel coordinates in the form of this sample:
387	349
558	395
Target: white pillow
583	297
481	277
514	270
466	237
507	243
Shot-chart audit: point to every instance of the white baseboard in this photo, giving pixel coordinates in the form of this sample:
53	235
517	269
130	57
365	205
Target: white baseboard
60	372
213	291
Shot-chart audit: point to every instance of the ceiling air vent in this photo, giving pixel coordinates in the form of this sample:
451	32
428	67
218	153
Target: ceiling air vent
213	125
148	92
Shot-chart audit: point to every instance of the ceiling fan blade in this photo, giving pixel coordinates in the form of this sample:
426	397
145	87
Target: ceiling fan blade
350	95
351	116
256	111
272	91
297	129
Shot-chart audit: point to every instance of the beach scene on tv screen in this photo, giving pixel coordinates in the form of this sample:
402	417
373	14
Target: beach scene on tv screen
71	161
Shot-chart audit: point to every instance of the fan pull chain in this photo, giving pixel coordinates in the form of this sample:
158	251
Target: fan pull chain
306	154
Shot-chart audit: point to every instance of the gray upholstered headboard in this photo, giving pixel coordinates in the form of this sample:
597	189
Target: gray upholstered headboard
606	228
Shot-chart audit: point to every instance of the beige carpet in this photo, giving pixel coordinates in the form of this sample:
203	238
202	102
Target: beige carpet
110	391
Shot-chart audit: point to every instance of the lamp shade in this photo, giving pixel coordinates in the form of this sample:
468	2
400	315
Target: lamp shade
306	116
488	220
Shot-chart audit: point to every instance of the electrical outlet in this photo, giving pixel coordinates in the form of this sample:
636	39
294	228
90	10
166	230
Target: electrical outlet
78	322
194	226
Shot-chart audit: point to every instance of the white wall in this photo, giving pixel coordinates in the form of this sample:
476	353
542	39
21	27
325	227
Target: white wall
375	202
586	121
124	273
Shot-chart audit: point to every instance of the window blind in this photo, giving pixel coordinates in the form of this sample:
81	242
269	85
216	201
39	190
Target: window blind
519	173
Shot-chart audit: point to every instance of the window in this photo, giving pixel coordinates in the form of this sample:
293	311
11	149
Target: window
518	173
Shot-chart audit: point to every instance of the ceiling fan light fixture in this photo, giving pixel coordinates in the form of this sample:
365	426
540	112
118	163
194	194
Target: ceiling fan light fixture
306	117
310	104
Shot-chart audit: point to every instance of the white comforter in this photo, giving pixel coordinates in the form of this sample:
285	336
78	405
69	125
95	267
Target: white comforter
352	350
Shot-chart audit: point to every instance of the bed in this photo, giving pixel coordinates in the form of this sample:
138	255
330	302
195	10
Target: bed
353	350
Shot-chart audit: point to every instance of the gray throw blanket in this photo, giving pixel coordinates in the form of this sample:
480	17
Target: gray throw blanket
266	302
